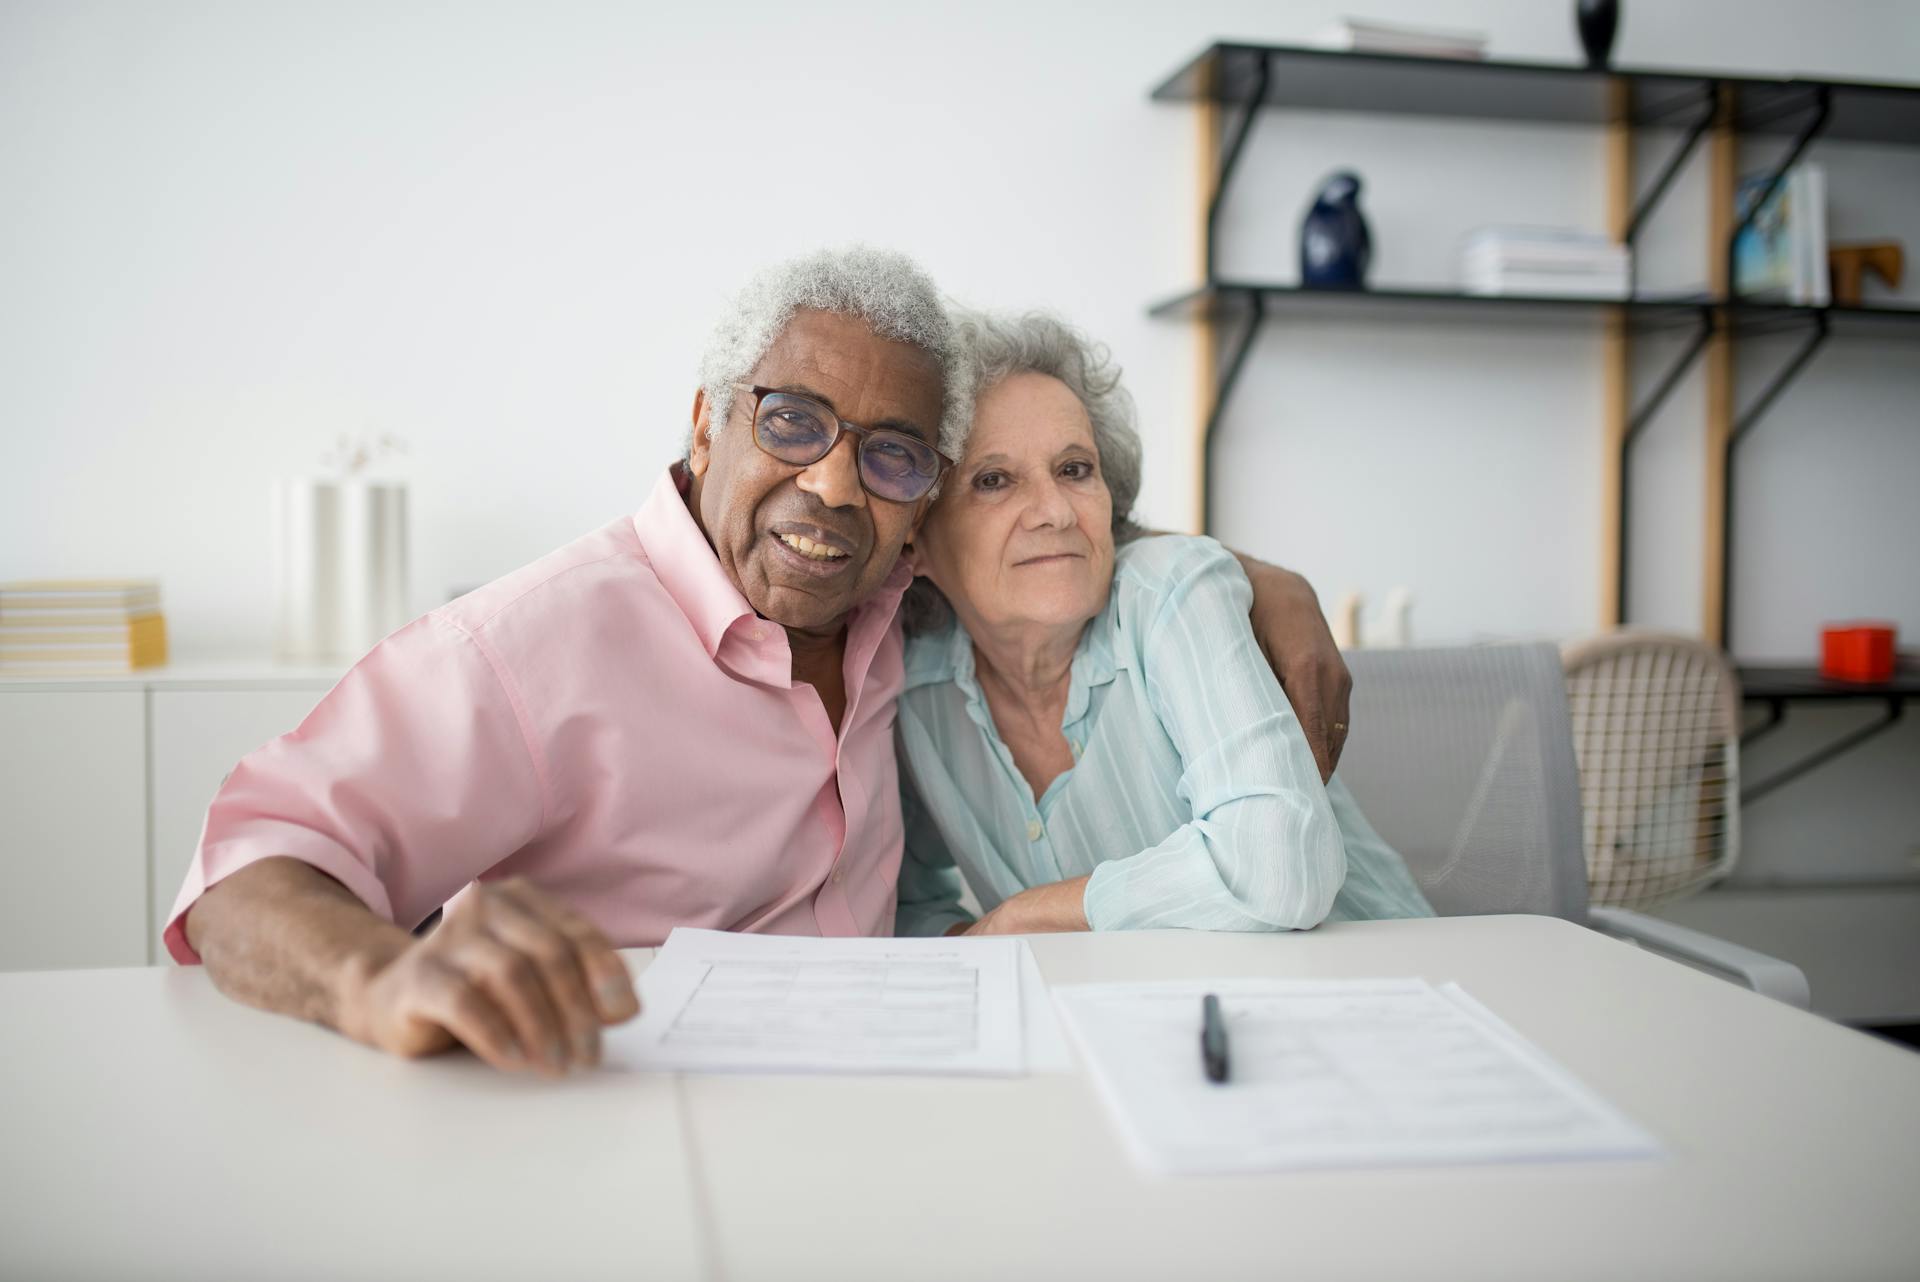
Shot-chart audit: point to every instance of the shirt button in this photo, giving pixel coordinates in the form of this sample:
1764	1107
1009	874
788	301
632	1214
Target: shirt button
1075	745
1033	830
758	634
836	876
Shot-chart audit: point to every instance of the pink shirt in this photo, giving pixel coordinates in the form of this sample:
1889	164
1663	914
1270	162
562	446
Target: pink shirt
614	723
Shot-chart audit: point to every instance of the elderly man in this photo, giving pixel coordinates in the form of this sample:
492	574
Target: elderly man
684	718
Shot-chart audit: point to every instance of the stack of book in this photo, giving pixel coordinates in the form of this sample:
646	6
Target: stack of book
1782	255
56	626
1357	35
1544	262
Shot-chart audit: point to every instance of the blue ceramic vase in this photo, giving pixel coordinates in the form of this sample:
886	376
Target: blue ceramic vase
1597	21
1335	247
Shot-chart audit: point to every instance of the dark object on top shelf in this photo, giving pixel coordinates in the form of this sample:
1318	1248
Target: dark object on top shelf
1598	20
1848	263
1335	247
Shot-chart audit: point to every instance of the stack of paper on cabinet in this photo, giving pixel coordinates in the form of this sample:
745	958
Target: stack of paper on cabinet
60	626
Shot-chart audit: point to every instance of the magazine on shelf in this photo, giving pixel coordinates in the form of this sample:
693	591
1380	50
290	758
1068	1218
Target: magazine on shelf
1782	254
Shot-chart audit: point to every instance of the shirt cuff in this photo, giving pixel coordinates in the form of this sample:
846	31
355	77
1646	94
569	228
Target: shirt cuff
1105	899
215	863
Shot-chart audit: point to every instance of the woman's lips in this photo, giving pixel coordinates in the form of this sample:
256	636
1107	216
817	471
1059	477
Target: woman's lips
1050	558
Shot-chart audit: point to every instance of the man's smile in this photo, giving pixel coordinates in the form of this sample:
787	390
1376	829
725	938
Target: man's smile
811	550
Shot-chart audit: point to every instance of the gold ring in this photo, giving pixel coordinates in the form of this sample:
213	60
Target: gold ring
1339	725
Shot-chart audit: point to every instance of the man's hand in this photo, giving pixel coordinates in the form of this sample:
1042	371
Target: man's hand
1298	644
519	979
1056	906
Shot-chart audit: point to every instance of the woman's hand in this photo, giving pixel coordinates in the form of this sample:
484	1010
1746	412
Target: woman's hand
1057	906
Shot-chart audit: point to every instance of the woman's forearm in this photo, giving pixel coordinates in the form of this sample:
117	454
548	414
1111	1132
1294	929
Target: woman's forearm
1057	906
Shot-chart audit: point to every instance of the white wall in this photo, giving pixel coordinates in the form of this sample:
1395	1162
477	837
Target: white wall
229	232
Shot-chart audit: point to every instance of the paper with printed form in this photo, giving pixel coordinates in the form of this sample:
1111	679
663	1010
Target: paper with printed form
1351	1073
718	1002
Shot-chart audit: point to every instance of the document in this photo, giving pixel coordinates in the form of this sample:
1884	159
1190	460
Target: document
718	1002
1324	1073
1047	1049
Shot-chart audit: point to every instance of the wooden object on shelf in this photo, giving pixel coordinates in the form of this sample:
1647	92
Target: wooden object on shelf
1848	263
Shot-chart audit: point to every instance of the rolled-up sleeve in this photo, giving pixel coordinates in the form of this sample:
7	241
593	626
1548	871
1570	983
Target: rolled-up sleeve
417	773
1262	850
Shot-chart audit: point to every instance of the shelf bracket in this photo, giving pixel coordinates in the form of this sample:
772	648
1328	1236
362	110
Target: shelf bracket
1896	705
1671	379
1231	162
1780	381
1644	209
1229	375
1635	425
1743	424
1823	107
1776	717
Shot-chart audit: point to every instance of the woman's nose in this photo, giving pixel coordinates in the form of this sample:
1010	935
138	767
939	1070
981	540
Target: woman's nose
1049	508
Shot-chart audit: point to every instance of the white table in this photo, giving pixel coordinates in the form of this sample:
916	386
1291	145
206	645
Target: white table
150	1128
153	1128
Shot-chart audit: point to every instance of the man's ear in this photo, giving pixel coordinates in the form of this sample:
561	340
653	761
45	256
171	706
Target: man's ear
908	554
700	452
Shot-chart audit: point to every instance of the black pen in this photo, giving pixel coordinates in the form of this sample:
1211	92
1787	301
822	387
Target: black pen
1213	1039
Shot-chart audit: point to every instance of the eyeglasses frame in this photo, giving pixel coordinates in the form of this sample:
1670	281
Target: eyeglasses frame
841	427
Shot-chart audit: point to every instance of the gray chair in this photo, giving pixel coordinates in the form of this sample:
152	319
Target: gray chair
1463	761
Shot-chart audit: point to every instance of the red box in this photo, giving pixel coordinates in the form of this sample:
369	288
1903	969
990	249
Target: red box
1857	652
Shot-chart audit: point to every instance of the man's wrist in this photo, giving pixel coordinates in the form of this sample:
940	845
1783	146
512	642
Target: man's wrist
348	1007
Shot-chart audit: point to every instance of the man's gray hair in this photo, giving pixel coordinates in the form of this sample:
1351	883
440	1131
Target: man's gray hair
997	347
885	289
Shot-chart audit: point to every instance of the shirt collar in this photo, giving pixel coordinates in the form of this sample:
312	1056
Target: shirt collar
946	655
687	568
684	561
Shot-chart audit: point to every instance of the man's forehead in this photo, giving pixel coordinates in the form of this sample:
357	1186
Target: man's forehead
840	359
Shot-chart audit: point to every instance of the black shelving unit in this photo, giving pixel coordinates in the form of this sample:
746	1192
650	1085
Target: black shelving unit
1776	688
1248	78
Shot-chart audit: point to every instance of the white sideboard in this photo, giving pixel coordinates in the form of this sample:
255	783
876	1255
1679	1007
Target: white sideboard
104	783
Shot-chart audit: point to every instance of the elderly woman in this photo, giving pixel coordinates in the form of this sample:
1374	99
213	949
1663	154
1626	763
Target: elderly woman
1088	729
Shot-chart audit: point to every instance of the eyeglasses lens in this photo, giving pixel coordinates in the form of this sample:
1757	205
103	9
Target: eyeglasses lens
893	465
793	429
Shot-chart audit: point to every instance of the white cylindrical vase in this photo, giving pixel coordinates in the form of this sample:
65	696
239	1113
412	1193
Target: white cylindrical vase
340	566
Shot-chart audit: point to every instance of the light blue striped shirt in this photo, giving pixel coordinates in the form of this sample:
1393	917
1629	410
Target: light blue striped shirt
1193	801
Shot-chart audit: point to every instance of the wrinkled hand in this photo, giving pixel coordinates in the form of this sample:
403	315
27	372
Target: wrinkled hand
1294	636
522	981
1057	906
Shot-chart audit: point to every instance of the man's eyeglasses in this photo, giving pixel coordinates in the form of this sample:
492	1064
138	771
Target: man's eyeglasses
893	465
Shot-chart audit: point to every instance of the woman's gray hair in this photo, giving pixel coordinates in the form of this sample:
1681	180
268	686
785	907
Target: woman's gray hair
885	289
995	348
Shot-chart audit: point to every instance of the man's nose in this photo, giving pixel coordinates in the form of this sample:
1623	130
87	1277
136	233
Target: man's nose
835	479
